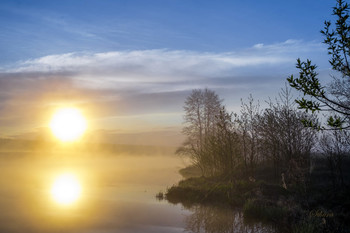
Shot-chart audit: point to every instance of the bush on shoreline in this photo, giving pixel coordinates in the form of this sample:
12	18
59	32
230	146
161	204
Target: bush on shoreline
266	202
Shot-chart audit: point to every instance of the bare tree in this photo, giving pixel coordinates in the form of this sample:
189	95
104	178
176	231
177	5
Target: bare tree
223	146
201	110
283	137
249	136
335	147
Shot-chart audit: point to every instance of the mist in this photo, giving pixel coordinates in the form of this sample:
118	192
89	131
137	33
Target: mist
118	189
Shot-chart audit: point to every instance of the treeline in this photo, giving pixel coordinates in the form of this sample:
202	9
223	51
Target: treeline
234	145
284	162
288	130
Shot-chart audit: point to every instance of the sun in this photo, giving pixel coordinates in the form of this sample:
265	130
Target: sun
68	124
66	189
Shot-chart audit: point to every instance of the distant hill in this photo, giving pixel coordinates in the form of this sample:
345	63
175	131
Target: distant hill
21	145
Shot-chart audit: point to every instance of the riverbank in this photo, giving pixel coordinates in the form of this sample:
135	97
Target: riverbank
315	209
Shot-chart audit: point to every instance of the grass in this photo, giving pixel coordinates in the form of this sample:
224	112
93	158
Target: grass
210	190
306	227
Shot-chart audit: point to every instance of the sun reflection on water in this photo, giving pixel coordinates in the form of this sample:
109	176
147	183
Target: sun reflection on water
66	189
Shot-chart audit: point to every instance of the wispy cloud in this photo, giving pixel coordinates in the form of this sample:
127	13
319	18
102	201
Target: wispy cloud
166	61
153	68
119	83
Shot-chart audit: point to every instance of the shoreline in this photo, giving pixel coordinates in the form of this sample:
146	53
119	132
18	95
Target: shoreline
266	202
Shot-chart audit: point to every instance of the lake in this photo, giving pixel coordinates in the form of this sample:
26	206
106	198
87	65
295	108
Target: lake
117	195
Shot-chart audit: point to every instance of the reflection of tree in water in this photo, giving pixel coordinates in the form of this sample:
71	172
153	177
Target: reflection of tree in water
208	219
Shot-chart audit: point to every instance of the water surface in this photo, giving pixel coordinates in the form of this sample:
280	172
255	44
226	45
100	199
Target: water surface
118	195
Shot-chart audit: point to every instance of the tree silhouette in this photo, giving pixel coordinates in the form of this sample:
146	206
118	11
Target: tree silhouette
335	97
201	110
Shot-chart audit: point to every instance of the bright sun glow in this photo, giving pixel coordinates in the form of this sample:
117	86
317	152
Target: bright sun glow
66	189
68	124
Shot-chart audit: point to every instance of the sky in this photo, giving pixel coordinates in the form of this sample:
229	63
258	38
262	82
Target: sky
129	65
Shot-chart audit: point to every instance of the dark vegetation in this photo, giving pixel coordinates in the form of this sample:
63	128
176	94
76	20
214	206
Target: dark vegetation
282	164
190	171
318	206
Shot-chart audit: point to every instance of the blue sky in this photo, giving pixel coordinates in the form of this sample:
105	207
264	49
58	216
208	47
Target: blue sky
131	64
31	29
